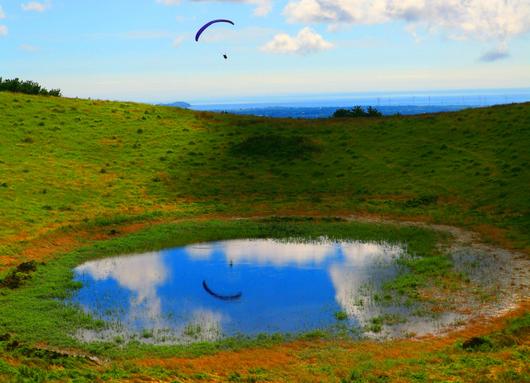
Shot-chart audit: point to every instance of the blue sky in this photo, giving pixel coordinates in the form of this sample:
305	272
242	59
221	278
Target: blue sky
144	50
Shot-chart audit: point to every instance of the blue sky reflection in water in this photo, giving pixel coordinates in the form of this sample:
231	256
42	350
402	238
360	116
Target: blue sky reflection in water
285	287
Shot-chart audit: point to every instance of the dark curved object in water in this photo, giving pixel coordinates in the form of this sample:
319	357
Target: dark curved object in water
219	296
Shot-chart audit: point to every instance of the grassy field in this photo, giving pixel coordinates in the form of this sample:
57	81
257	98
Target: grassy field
82	178
65	161
35	313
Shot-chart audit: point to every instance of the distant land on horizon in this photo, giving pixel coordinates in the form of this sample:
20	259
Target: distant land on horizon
178	104
405	103
327	111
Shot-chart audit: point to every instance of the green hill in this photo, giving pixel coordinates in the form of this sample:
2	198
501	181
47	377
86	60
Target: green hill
81	166
65	161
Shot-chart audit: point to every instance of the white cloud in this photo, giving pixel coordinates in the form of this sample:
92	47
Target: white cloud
35	6
352	264
177	41
28	48
265	251
279	253
360	253
3	29
201	251
306	41
497	20
168	2
263	7
141	274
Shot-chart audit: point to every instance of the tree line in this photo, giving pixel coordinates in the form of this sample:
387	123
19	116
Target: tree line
357	111
27	87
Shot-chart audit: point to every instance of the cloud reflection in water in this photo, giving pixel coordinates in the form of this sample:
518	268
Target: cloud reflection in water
287	286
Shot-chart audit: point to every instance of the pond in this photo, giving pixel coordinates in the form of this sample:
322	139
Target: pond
211	290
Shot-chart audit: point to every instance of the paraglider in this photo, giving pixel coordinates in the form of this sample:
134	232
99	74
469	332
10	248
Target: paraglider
207	25
219	296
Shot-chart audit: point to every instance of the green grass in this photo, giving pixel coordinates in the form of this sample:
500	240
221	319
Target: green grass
64	161
506	353
34	312
68	164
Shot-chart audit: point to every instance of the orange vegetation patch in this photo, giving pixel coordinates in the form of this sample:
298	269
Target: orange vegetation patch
121	230
391	218
44	248
48	240
497	235
482	325
228	361
111	141
11	361
296	358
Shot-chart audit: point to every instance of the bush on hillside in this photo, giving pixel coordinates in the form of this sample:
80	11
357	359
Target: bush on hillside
27	87
357	111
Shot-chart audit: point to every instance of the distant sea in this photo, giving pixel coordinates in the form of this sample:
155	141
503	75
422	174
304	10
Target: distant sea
323	106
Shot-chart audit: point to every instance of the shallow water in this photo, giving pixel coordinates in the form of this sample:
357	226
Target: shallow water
207	291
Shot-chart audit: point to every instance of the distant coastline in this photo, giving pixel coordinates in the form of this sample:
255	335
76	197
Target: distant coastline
324	112
390	103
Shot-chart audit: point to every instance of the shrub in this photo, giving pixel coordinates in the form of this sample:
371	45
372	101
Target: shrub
27	87
17	276
357	111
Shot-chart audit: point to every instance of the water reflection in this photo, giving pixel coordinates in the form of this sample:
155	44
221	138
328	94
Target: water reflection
141	275
266	252
284	286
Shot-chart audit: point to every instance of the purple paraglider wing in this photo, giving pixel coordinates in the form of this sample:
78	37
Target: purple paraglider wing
205	26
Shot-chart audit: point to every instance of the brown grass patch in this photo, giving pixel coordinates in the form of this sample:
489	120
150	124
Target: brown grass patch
294	361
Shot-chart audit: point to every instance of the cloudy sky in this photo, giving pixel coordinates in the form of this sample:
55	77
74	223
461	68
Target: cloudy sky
145	50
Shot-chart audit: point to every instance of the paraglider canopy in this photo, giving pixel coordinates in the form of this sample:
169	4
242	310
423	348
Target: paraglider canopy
207	25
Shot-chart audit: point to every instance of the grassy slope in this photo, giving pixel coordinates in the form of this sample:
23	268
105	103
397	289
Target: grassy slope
65	160
37	323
